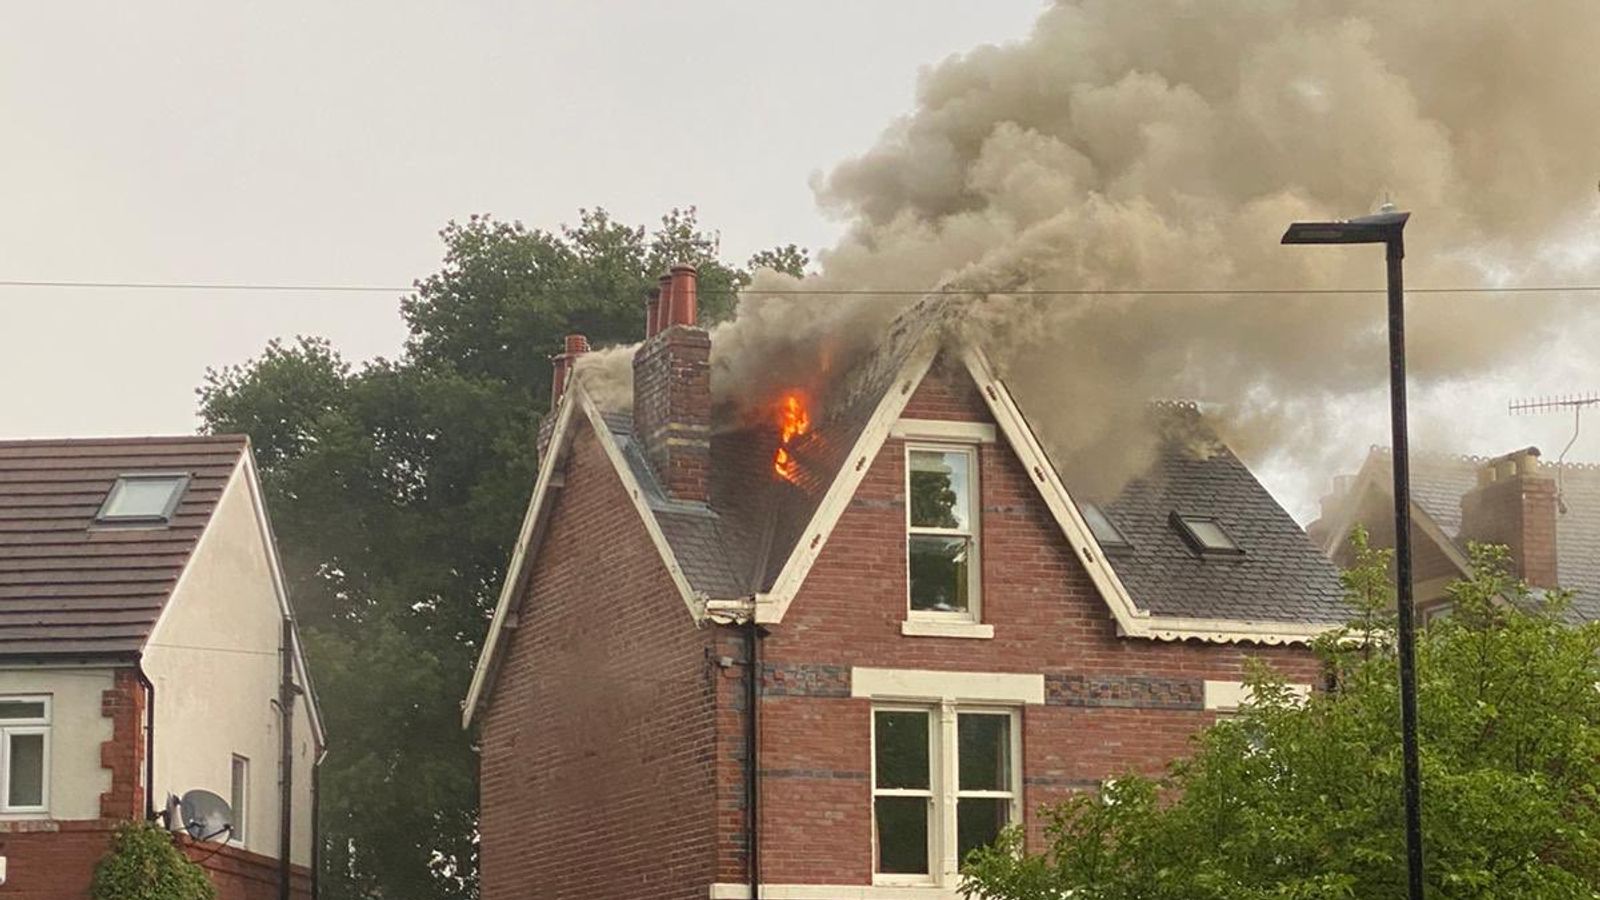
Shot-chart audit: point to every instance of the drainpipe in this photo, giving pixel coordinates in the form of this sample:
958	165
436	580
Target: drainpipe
316	829
286	692
753	635
149	738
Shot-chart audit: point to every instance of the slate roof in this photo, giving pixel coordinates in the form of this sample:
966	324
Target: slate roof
1438	482
1280	576
72	590
737	544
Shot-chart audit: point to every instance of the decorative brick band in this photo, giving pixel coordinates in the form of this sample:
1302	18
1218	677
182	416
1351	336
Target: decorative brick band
1125	691
803	680
814	774
1081	784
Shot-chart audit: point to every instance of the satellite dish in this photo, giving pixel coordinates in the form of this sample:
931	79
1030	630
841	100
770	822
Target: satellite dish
205	815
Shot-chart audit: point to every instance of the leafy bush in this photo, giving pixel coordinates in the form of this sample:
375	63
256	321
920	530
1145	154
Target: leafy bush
144	864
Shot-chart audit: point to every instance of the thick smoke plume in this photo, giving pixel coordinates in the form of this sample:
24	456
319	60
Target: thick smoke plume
1166	144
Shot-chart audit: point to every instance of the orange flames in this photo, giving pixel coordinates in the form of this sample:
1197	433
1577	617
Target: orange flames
793	421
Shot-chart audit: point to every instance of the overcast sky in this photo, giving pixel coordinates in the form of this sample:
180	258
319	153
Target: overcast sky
327	143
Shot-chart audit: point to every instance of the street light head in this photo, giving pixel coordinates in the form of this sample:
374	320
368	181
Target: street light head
1379	228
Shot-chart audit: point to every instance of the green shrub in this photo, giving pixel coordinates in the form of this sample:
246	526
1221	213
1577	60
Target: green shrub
144	864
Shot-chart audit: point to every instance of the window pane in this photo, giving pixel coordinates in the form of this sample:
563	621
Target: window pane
939	573
984	752
238	798
21	709
1104	531
27	770
902	827
902	750
141	497
939	490
1209	534
978	822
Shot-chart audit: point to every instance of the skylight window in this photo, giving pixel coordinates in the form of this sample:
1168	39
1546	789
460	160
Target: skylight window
1105	532
143	499
1206	535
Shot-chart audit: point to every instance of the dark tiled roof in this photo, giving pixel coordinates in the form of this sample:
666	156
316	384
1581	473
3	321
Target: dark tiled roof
68	589
1280	576
1438	482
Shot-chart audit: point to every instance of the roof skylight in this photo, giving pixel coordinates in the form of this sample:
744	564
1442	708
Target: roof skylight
1205	534
143	499
1105	532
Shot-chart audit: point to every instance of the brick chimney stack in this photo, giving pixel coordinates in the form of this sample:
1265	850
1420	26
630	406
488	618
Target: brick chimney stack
1515	504
672	390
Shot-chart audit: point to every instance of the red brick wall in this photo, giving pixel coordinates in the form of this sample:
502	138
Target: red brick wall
48	860
242	875
598	742
52	860
1114	703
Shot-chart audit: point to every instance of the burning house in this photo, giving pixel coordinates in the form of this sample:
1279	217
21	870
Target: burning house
825	651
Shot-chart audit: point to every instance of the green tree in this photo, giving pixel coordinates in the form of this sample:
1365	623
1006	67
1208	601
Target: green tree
396	489
1300	797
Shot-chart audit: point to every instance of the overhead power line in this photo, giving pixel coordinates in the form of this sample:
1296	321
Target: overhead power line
822	292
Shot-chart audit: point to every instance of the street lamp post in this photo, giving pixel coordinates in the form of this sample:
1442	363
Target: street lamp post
1388	228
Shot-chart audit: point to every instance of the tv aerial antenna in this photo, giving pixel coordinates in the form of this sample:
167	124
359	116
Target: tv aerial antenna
1575	402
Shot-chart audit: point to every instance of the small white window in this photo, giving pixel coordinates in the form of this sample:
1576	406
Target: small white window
1206	535
944	783
239	798
24	754
143	499
941	531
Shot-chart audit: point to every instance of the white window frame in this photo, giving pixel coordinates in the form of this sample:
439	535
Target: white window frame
944	782
10	728
241	812
974	500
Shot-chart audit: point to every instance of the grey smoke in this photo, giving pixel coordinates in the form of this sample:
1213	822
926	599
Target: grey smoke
1166	144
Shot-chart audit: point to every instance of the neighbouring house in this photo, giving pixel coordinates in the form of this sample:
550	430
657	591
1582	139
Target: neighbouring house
147	648
829	653
1547	516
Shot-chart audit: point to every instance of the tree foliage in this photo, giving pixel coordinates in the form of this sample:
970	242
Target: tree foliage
144	864
1300	798
396	489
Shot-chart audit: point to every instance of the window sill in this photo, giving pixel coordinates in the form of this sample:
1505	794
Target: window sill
935	628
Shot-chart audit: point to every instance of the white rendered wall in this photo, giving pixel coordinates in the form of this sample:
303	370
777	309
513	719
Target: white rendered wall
76	732
214	660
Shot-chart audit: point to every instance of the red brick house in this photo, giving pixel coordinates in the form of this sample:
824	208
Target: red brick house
1547	516
941	639
147	648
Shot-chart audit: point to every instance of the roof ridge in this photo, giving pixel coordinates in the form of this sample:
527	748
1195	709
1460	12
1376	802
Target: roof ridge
130	440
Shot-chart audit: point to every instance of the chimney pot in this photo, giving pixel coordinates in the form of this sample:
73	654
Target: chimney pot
685	301
652	312
664	308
